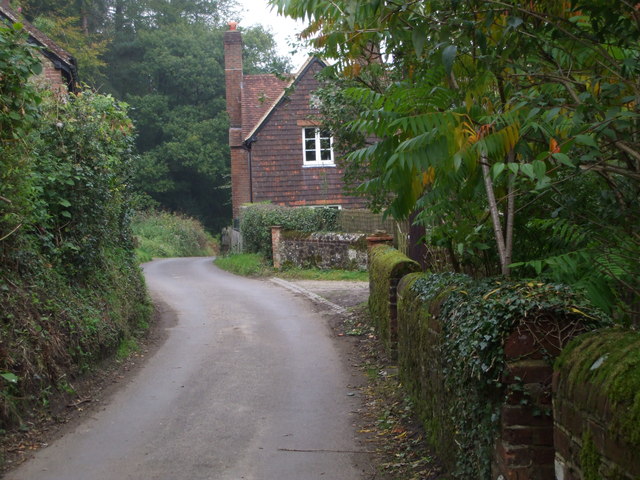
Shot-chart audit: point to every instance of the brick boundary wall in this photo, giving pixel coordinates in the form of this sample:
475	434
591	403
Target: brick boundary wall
387	266
525	449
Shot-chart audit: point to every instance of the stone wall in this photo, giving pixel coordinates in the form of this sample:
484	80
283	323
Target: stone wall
597	407
346	251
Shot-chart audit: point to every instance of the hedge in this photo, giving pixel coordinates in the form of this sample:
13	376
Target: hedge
257	220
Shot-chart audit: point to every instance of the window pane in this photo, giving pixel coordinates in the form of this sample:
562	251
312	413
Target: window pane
325	143
310	155
310	144
325	154
309	133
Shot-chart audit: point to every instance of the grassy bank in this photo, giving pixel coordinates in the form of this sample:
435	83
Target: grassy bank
255	265
163	234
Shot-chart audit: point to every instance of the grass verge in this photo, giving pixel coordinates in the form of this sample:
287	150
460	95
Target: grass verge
255	265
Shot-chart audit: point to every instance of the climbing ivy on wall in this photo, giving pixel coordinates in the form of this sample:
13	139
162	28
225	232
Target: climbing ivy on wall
475	318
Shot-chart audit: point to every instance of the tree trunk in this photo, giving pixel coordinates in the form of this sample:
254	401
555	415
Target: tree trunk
495	217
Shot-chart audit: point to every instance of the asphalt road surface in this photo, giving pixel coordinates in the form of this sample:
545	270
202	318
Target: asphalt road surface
248	385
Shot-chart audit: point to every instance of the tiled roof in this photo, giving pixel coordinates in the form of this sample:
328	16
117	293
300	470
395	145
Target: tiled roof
39	37
254	116
259	94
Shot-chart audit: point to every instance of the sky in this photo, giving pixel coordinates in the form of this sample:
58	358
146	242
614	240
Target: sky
259	12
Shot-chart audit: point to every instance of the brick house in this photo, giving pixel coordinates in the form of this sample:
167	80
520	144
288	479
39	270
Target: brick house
59	71
278	153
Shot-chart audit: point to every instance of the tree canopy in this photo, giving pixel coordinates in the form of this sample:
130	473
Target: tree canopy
510	127
165	59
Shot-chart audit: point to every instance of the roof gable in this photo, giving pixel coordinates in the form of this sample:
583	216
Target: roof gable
259	94
251	129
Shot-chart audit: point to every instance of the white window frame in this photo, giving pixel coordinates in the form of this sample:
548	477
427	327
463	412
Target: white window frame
317	162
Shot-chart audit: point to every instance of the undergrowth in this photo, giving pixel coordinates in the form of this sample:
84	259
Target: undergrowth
164	234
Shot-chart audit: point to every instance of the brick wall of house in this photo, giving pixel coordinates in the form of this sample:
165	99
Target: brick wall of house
51	77
277	156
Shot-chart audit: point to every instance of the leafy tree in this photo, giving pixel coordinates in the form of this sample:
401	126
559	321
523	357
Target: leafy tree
492	118
164	58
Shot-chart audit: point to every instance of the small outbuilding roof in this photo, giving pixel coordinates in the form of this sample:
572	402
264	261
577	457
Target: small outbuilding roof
61	59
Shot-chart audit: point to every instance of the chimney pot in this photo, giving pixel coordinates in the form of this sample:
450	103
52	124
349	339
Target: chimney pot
233	26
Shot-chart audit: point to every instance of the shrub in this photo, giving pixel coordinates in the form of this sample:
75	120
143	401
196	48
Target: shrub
258	219
164	234
70	287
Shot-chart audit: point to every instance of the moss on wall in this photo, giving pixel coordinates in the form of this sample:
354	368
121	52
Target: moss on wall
589	458
605	363
420	361
386	267
451	352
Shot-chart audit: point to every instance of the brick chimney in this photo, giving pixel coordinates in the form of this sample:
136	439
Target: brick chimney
240	177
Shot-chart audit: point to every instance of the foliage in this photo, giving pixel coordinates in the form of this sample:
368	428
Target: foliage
256	265
294	273
70	289
491	115
18	115
260	54
88	49
474	318
257	220
165	59
164	234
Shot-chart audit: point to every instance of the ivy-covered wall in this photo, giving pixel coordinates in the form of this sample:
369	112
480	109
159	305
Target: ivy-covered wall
477	359
387	266
597	407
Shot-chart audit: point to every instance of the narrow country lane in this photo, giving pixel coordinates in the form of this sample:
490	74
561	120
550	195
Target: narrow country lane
247	380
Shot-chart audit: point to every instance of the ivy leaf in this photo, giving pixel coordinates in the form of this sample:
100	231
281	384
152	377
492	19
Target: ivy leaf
539	169
448	56
9	377
527	169
563	158
64	202
514	22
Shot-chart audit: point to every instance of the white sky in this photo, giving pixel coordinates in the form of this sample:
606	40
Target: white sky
283	28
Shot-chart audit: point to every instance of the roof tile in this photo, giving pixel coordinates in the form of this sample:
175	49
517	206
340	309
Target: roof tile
259	94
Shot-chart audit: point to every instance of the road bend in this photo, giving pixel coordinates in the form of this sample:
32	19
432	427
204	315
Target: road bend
248	385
